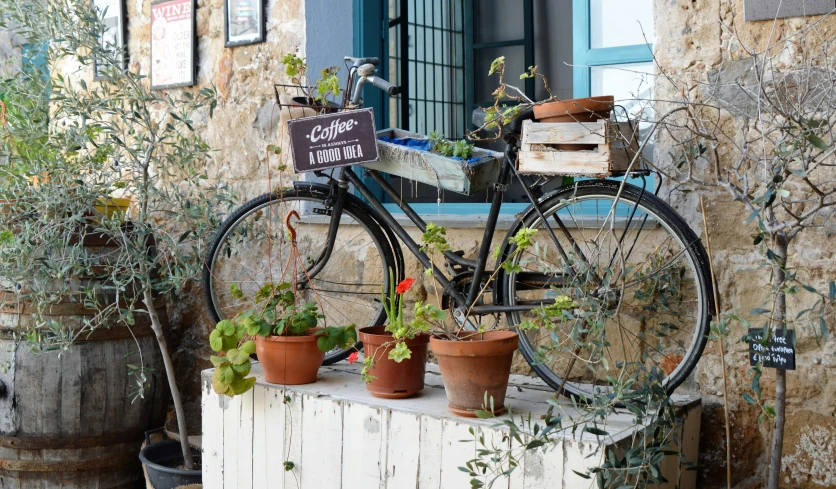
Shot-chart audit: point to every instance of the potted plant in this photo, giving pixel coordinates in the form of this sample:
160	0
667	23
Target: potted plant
475	364
285	334
395	355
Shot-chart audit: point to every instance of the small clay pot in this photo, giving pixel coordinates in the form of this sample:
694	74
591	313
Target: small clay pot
589	109
289	360
473	365
394	380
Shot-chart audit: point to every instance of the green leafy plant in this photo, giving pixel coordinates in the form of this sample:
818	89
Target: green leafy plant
459	149
112	138
277	313
327	85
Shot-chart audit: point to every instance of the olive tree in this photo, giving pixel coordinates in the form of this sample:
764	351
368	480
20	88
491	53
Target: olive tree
106	139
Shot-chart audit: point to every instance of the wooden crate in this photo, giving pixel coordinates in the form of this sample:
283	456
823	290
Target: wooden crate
615	144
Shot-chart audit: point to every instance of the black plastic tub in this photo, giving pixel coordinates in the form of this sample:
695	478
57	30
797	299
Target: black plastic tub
159	459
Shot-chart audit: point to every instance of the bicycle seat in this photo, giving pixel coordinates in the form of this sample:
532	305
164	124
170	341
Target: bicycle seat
511	128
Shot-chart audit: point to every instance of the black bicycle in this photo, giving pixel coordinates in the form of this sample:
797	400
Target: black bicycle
602	241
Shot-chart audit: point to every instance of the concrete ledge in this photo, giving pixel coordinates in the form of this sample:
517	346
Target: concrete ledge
338	436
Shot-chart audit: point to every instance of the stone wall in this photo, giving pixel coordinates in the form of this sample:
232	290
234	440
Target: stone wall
691	44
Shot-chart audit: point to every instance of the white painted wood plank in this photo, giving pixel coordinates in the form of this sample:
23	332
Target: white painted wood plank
458	446
517	478
544	466
492	439
260	442
565	132
429	470
294	438
322	445
579	456
232	461
276	445
213	437
245	441
403	450
362	440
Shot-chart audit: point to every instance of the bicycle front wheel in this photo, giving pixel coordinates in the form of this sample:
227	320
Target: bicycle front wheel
252	249
634	279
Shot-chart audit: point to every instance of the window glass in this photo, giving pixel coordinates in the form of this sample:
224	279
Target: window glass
620	23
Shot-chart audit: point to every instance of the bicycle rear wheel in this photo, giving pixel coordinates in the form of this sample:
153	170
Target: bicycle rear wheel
639	281
252	249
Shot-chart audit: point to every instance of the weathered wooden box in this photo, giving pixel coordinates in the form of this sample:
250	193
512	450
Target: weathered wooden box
610	148
464	177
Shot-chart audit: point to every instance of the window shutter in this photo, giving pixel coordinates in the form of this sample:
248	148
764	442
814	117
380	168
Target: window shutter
769	9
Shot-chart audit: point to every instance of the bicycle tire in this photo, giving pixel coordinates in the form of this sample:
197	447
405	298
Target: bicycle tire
312	192
670	220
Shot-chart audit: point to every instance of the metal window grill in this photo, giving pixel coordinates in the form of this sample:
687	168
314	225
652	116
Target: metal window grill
426	57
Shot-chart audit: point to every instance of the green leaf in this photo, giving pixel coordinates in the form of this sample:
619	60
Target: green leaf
217	361
248	347
325	343
242	370
816	141
595	431
216	340
227	375
400	353
219	386
226	327
748	398
237	357
241	386
481	414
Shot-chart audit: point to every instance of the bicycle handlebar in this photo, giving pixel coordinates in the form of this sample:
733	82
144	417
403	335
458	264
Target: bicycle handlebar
384	85
361	61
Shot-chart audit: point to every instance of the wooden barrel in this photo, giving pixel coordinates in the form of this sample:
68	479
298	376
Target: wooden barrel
66	418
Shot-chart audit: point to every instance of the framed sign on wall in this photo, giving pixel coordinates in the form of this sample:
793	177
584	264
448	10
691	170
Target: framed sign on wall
113	39
173	44
245	22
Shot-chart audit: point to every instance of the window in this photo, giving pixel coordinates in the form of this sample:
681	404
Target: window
440	51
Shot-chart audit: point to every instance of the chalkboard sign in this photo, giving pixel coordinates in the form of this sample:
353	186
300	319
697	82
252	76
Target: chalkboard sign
333	140
778	353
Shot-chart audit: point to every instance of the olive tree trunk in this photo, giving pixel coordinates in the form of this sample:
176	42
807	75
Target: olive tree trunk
780	245
156	325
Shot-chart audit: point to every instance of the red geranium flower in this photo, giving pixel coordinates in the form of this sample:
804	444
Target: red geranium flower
353	357
405	285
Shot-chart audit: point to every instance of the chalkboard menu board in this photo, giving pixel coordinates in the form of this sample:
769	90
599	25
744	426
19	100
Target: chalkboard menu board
779	352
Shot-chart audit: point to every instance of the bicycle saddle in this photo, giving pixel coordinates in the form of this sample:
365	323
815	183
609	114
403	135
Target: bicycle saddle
512	127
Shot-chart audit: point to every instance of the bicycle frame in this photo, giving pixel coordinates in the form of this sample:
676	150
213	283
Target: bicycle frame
463	303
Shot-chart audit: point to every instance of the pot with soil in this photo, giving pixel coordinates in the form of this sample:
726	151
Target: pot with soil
391	379
290	360
589	109
474	364
163	462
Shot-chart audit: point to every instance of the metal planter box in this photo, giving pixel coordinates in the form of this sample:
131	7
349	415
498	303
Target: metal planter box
439	171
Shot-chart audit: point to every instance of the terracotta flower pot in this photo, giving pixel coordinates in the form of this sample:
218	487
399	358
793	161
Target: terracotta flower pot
289	360
590	109
394	380
475	365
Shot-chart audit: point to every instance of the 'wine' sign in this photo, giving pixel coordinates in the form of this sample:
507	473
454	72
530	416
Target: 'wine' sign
778	352
333	140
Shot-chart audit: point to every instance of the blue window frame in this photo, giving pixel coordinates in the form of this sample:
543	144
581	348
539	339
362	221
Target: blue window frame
585	58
